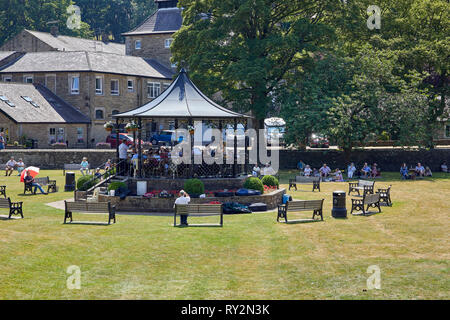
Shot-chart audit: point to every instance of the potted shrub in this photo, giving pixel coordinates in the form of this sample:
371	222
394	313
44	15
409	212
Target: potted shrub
84	183
194	187
253	183
131	127
59	145
109	126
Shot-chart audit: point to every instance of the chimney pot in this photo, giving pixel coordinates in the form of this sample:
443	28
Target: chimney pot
54	31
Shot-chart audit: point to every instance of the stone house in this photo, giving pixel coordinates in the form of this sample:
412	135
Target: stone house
98	84
152	38
32	111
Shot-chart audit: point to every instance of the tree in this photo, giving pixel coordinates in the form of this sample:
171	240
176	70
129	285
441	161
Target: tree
245	48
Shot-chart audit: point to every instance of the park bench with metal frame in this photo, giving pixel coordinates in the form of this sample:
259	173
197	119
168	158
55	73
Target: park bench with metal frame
199	210
368	200
51	185
315	181
73	167
385	196
362	185
89	207
316	206
15	208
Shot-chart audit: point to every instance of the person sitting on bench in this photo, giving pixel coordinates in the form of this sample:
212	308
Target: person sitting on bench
366	170
20	166
420	170
183	199
10	165
307	172
324	171
29	179
404	171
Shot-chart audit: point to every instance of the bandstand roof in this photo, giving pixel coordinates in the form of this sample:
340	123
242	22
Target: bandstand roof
182	99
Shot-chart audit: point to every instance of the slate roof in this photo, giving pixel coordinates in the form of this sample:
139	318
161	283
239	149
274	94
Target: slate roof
66	43
5	54
57	61
52	109
182	99
165	20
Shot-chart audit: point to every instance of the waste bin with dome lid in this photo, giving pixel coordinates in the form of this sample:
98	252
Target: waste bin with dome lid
339	205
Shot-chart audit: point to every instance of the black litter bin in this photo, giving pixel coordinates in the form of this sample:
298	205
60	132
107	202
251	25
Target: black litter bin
339	205
70	181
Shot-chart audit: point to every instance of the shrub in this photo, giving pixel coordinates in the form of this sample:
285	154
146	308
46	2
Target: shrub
253	183
84	183
194	186
270	181
116	185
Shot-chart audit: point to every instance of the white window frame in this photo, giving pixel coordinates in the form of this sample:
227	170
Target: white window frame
99	93
61	132
6	77
136	47
80	129
50	135
168	43
130	89
445	130
164	87
71	90
153	93
118	87
28	76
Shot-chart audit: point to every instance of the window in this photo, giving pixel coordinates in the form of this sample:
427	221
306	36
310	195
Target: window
115	87
99	85
80	135
28	79
447	131
153	89
99	114
130	84
74	82
137	44
52	136
28	99
168	42
174	65
6	100
7	78
61	137
165	86
115	112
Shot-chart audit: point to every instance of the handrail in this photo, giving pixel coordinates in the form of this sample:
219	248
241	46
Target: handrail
105	175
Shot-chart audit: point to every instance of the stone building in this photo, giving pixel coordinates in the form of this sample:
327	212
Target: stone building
97	84
31	111
35	41
152	38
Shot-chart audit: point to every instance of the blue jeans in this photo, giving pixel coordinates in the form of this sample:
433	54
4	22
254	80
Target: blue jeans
37	186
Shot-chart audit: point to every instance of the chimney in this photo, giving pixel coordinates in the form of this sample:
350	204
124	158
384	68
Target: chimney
54	31
105	37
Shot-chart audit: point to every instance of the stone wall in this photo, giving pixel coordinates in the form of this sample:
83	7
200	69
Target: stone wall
387	159
26	42
140	204
55	159
152	47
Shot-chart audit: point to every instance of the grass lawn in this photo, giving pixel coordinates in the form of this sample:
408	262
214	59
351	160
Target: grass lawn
251	257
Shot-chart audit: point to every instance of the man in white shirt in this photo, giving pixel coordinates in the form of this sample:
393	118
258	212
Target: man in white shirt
324	171
420	170
351	170
183	199
123	158
10	165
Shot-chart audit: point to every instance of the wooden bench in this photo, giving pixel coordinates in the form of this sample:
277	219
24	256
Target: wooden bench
385	196
316	206
15	208
362	185
368	200
199	210
3	191
73	167
51	185
315	181
89	207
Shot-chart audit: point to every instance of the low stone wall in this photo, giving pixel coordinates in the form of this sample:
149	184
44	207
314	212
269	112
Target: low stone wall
140	204
55	159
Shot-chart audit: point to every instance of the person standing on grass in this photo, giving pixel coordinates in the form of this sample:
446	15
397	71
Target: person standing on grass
84	166
183	199
30	180
10	166
123	157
